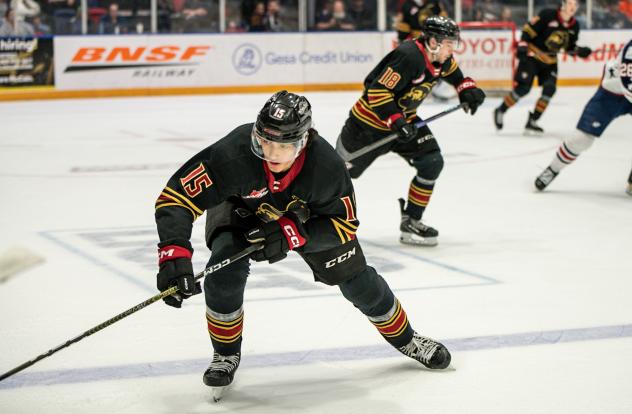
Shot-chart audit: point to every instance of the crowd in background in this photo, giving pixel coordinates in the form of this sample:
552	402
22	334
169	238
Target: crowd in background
46	17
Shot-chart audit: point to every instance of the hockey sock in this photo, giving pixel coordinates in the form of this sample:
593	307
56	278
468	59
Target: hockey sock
394	326
509	101
540	107
570	150
225	330
419	194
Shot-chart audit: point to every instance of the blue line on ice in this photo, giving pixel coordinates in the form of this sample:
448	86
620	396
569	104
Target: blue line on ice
197	366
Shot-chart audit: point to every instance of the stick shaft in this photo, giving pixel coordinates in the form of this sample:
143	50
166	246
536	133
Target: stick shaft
130	311
392	137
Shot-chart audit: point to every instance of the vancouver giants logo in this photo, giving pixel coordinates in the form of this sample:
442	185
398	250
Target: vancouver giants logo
247	59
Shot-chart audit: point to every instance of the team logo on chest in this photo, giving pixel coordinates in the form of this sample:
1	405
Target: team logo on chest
257	193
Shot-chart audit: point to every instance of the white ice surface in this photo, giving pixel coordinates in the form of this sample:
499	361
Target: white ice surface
531	291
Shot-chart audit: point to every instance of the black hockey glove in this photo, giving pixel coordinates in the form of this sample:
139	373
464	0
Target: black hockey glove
583	51
406	132
470	94
278	237
522	50
176	270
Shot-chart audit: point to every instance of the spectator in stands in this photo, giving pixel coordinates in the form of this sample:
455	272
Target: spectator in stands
165	10
3	7
505	14
40	28
256	21
363	18
338	20
272	19
64	13
25	8
112	23
198	17
487	11
625	7
608	16
13	27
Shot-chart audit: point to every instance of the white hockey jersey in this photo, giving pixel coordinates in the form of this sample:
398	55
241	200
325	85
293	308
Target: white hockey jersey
617	76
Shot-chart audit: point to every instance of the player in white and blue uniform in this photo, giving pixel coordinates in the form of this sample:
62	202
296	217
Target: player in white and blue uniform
612	99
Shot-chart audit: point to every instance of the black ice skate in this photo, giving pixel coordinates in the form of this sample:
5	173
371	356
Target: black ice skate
427	351
220	373
532	128
545	178
414	231
498	118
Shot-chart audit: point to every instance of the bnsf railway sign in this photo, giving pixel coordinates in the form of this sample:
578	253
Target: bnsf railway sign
123	57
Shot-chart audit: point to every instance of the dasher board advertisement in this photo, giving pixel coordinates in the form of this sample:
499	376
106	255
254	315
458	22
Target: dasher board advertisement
26	61
106	62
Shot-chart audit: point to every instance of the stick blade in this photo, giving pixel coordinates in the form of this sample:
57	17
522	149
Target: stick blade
16	260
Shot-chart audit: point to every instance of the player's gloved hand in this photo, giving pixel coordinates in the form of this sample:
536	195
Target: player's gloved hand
583	51
176	270
522	50
278	237
470	94
407	132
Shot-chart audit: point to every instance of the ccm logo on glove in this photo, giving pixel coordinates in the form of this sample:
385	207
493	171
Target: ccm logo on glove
292	235
467	83
173	252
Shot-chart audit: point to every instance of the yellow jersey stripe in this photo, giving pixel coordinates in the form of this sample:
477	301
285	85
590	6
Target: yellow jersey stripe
186	200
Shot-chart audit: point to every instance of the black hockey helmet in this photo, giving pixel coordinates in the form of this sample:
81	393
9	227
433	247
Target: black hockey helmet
286	119
440	28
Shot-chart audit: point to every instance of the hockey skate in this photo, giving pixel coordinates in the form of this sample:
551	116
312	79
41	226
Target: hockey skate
220	373
414	231
545	178
430	353
498	118
532	128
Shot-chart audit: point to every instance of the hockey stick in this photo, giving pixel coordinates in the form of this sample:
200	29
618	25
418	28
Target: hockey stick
135	309
353	155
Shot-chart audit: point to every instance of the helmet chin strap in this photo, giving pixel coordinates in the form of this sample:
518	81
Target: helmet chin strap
433	52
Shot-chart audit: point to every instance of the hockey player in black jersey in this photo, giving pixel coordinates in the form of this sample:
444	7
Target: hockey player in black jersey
392	93
550	32
278	183
413	15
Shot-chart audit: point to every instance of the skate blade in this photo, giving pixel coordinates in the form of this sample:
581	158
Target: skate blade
532	133
418	241
217	393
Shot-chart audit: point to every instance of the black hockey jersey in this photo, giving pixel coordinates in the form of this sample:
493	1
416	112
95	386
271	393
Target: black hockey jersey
547	34
399	84
414	15
228	168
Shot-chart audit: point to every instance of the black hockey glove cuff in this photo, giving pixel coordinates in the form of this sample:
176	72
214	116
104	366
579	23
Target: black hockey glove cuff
398	124
470	94
176	269
522	50
583	51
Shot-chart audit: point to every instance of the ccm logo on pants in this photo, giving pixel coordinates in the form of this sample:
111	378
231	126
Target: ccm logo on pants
340	258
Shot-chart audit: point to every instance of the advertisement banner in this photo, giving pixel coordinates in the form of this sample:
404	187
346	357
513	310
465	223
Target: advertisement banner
26	61
107	62
243	60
